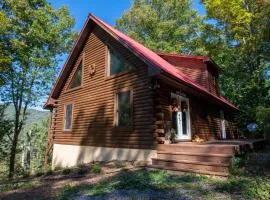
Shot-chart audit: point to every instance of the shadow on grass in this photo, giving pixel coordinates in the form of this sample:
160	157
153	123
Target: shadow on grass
251	187
140	180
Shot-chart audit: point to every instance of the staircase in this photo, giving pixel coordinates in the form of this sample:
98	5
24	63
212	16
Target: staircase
212	159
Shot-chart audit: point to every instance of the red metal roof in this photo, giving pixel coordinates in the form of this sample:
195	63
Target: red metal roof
203	58
150	57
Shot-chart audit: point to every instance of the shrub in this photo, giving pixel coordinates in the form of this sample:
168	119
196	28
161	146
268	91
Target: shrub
66	171
82	171
40	173
96	168
49	172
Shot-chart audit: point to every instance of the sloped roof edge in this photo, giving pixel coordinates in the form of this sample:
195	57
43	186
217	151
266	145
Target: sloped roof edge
141	51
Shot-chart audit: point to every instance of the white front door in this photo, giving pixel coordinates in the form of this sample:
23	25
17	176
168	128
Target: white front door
182	119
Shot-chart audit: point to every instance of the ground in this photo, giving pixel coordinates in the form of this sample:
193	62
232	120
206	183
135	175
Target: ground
117	180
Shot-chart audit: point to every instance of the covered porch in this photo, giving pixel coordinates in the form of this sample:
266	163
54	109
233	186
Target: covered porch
181	114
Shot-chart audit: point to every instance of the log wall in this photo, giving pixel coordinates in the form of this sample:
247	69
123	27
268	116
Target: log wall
93	103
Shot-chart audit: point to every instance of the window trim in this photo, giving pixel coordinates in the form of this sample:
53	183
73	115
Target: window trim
65	108
79	61
116	119
107	65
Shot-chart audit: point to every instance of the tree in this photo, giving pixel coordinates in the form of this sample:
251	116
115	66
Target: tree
164	25
241	45
5	133
4	58
37	35
34	145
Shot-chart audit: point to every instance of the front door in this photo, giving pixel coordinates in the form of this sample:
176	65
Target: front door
182	118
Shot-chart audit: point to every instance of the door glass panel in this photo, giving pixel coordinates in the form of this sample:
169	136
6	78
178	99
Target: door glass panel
184	117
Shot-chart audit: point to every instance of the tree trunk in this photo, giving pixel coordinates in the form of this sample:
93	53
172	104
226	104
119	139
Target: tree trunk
17	130
13	154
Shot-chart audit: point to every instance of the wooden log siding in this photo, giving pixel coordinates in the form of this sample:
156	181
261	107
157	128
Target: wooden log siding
93	103
159	131
194	69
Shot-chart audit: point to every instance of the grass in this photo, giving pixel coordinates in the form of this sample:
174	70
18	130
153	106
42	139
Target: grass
194	185
96	168
19	185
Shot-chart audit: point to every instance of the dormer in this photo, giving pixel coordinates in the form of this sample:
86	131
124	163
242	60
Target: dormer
201	69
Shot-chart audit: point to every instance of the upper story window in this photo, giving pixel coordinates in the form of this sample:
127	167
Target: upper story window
123	109
68	117
76	80
117	63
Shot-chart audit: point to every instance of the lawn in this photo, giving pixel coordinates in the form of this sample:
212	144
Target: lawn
125	181
159	184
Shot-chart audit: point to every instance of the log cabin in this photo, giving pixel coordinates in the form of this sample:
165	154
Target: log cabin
115	99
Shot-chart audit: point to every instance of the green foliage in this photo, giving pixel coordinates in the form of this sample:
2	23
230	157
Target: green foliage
39	138
66	192
19	185
6	130
263	118
250	187
239	42
82	171
169	25
96	168
66	171
34	37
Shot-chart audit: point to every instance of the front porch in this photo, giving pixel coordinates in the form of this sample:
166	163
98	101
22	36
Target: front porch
182	115
212	157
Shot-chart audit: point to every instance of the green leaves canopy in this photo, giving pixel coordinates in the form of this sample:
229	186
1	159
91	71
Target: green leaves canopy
164	25
34	37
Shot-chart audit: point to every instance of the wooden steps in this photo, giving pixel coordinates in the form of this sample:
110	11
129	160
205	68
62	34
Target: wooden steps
204	159
199	157
190	170
198	148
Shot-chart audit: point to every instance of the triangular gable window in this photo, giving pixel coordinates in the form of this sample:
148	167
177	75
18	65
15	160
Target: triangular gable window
76	80
117	63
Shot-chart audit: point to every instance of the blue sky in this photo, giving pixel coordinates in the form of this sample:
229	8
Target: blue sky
107	10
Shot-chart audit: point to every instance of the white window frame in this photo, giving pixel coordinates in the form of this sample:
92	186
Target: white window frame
65	116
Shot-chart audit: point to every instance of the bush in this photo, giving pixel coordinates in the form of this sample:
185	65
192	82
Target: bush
96	168
40	173
82	171
66	171
237	165
49	172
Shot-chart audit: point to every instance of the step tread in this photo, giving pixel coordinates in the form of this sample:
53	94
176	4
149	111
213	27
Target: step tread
193	162
190	170
195	154
201	145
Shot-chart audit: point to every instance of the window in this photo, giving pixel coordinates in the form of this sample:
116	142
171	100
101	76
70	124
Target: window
77	78
116	63
123	109
68	117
